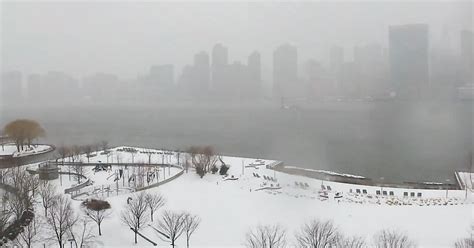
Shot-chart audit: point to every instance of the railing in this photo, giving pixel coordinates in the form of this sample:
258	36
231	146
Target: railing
165	180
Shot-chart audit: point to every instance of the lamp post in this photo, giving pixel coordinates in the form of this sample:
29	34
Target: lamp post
381	185
447	187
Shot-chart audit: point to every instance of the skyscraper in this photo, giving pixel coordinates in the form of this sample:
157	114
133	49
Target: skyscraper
201	71
219	66
467	55
11	87
162	75
336	60
285	71
408	49
254	66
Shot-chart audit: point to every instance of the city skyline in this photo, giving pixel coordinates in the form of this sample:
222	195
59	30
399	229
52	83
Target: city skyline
241	28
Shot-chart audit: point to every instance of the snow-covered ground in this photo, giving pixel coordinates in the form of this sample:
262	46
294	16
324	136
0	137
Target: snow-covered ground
11	150
228	208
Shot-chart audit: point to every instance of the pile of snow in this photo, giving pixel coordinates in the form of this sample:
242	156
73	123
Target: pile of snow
326	172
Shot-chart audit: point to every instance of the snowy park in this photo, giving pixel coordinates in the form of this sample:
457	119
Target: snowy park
247	195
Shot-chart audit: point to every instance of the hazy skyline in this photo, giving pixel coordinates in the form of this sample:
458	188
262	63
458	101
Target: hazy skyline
127	38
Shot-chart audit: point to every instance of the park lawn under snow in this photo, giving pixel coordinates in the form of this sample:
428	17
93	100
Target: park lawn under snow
229	208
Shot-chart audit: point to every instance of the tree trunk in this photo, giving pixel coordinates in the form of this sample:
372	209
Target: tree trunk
136	236
151	215
187	242
100	230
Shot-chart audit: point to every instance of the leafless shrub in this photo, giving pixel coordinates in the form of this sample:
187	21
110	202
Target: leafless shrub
392	239
318	234
266	237
351	242
464	243
203	159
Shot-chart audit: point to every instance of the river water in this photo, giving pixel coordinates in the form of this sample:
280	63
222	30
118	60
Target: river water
396	141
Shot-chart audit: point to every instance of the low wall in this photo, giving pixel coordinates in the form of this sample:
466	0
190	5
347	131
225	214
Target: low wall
9	161
79	186
164	181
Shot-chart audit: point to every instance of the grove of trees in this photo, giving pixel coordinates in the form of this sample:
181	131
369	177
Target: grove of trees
203	158
323	234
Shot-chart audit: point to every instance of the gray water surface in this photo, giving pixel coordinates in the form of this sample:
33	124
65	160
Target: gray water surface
397	141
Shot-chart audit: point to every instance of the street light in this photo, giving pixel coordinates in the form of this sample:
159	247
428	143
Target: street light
447	187
381	185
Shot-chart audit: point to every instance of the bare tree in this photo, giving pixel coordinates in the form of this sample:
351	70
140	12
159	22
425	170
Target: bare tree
104	144
191	223
266	237
61	217
26	185
351	242
392	239
30	234
4	219
82	233
63	152
171	226
47	192
154	202
96	210
134	213
318	234
17	205
203	159
464	243
88	150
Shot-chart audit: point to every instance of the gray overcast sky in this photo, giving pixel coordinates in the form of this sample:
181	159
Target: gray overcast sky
126	38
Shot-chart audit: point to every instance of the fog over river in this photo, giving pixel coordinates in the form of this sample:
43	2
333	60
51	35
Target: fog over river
397	141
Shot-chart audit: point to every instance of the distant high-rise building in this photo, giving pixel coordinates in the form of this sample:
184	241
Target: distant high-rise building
285	71
61	85
409	69
371	67
316	78
220	68
254	67
336	60
161	76
336	57
11	87
467	55
33	87
101	86
201	71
